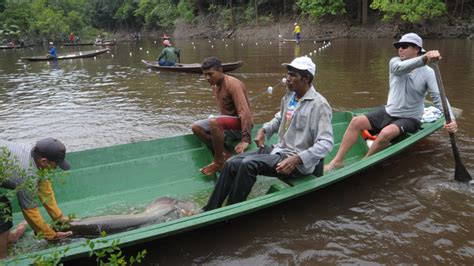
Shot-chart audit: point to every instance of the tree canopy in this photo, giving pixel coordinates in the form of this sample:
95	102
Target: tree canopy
55	19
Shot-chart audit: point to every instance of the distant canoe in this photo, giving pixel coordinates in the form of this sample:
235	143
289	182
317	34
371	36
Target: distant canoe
191	68
15	46
90	53
307	40
106	43
78	44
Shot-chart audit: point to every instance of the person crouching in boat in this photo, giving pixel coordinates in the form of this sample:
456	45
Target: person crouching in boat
305	137
28	164
169	55
52	51
235	119
410	79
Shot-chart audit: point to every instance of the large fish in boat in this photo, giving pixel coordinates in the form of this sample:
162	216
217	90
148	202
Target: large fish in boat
160	210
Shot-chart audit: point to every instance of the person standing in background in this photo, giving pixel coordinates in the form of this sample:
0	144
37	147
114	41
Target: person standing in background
297	32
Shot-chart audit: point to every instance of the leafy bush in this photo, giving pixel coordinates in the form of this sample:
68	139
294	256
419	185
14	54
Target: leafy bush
410	10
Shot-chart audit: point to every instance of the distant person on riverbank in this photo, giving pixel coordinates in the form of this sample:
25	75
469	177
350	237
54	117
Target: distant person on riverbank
305	138
52	51
28	165
297	32
410	79
72	38
234	121
169	55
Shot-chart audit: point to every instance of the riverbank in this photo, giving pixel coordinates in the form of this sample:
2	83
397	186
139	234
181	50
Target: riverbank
312	30
332	29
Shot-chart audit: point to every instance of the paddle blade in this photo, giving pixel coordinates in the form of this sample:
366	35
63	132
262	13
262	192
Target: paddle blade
461	174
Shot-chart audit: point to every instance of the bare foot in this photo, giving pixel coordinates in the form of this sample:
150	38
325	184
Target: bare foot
212	168
332	166
14	235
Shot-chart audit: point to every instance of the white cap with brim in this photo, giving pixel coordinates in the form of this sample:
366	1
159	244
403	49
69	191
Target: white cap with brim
302	63
412	38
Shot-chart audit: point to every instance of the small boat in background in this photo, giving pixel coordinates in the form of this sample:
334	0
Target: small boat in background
83	54
78	44
190	68
324	39
105	43
3	47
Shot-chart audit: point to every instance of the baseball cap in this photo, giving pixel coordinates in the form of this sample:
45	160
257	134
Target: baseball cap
302	63
51	43
412	38
53	150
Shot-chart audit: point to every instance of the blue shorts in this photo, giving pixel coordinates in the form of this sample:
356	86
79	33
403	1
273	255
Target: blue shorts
230	125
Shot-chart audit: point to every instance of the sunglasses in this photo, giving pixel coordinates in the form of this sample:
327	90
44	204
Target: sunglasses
404	45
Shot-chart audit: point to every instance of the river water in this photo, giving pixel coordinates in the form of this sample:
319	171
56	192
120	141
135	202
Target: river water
406	210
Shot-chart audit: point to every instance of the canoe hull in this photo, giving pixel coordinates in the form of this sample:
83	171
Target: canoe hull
74	55
137	172
78	44
3	47
190	68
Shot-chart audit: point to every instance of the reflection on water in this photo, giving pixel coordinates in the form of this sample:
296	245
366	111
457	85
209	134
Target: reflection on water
406	210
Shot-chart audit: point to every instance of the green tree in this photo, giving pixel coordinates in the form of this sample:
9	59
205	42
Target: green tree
157	13
125	13
50	24
187	10
319	8
410	10
15	19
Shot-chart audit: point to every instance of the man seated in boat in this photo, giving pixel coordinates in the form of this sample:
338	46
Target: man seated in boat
28	165
99	39
409	81
235	119
72	38
305	137
52	51
169	55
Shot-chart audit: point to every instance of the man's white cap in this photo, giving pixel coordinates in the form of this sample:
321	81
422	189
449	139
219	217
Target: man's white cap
412	38
51	43
302	63
296	23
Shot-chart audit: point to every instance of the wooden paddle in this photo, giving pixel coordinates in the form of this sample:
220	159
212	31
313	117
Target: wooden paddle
460	172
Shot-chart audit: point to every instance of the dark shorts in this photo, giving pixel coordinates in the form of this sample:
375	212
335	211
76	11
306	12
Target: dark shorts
5	214
379	119
230	125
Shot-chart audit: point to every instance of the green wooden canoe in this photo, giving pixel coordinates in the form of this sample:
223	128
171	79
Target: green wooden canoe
137	173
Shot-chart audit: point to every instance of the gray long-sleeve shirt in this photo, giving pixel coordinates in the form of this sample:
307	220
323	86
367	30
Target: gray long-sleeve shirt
309	134
410	80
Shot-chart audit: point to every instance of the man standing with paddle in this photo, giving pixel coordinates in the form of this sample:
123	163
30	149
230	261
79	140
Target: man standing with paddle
409	79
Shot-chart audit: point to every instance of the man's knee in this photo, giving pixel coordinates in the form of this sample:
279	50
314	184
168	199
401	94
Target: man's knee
388	133
196	128
360	123
215	126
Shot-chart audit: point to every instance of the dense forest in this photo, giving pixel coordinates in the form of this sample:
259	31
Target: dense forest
42	20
